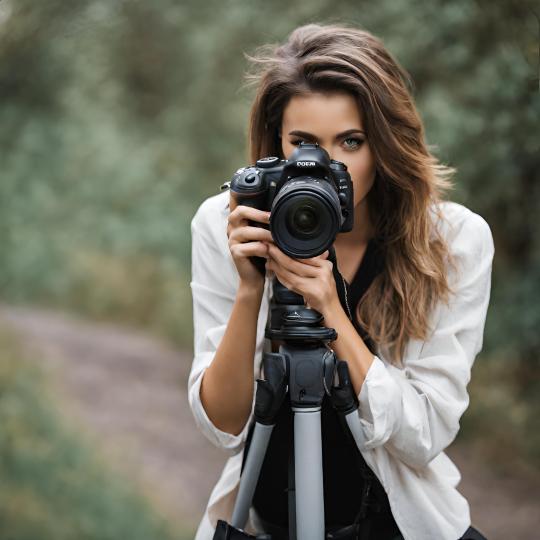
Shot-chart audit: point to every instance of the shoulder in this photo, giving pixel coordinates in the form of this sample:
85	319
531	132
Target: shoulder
212	208
468	237
463	229
210	219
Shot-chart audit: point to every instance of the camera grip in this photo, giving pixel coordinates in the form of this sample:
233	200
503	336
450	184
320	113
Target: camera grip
253	202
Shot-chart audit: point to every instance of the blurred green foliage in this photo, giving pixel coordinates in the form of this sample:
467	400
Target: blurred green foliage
117	118
53	487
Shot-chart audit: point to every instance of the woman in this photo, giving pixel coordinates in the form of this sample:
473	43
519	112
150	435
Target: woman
416	271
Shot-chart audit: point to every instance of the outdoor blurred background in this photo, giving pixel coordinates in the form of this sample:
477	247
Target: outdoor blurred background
117	118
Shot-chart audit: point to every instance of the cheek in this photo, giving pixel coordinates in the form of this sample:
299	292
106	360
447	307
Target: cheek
362	187
363	177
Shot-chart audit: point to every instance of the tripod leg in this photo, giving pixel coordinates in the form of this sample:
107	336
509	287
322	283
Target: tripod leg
308	474
250	475
270	395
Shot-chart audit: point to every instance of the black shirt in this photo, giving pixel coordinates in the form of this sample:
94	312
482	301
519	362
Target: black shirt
371	265
342	477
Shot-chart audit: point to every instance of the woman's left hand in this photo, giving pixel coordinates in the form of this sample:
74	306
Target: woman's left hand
312	278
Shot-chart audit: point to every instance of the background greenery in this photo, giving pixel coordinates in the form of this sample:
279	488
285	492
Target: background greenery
53	486
117	118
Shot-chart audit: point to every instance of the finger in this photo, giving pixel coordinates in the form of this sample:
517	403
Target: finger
292	265
292	281
243	213
248	234
249	249
233	203
319	260
296	266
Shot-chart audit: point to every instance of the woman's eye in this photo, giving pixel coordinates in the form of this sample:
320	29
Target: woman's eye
352	143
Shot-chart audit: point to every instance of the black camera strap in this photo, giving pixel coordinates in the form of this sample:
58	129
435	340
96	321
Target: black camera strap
341	285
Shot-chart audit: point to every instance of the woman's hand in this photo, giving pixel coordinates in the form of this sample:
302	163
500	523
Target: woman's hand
247	241
312	278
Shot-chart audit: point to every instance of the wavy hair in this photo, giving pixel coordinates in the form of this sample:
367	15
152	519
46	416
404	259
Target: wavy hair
409	181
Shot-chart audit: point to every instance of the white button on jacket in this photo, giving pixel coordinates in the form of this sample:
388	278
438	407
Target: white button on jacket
409	415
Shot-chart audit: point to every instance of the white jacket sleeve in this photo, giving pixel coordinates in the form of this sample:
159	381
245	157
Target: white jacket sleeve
414	411
213	286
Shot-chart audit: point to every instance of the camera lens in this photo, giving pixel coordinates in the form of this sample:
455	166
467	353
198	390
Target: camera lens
304	219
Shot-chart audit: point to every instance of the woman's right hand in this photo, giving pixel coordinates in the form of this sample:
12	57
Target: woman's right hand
246	241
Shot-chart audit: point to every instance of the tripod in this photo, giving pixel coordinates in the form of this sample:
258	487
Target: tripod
307	369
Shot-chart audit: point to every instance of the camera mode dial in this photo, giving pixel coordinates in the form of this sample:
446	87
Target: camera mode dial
267	162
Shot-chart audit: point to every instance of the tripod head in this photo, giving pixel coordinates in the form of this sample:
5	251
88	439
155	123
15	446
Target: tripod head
310	364
291	321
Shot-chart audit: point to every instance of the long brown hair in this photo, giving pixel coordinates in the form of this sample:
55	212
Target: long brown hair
409	181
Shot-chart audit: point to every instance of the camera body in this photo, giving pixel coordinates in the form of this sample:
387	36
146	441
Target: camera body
309	196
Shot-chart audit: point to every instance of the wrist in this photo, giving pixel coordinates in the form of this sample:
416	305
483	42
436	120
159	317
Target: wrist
333	309
250	291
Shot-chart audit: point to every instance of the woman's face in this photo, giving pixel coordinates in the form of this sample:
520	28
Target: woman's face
334	121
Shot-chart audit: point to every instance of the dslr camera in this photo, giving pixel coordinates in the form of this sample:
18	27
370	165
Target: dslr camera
309	196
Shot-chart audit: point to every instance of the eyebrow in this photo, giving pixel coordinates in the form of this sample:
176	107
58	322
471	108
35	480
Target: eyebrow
307	135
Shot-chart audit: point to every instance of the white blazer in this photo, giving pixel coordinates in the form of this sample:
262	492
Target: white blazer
410	415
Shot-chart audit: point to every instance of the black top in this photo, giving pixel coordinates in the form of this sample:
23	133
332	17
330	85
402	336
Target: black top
372	263
342	477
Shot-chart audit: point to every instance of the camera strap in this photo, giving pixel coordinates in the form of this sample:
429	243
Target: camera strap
341	286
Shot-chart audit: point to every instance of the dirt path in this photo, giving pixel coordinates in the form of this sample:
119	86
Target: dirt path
128	393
